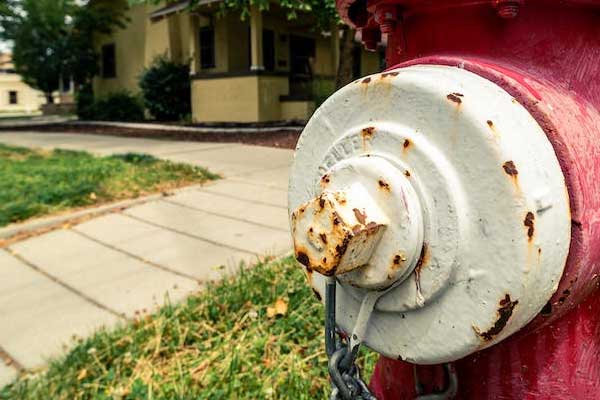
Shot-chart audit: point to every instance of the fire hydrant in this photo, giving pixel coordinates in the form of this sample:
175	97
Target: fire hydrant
452	201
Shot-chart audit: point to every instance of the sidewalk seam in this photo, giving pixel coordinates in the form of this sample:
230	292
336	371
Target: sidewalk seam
70	288
170	153
241	199
176	203
125	252
189	235
7	359
260	170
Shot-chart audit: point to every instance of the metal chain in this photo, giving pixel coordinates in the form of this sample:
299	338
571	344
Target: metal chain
345	374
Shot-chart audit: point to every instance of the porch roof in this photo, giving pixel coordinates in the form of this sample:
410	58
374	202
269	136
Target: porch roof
177	7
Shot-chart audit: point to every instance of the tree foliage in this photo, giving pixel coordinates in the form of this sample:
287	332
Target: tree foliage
323	11
54	38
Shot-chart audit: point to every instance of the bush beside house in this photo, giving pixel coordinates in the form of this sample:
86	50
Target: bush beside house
166	90
116	106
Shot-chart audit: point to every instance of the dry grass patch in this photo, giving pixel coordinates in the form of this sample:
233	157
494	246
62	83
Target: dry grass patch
220	344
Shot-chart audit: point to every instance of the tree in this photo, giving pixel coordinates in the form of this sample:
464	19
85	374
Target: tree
53	39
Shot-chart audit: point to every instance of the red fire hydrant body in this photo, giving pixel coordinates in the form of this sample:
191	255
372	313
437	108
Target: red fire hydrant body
546	54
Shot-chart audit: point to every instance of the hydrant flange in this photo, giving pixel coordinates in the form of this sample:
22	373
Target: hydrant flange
492	230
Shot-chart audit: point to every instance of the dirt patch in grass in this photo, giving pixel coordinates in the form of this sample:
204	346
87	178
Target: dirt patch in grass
284	138
40	182
224	343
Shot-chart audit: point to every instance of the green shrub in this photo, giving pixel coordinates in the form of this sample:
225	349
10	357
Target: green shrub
166	90
85	102
322	89
118	106
135	158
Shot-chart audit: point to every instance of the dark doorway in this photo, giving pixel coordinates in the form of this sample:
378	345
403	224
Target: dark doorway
302	58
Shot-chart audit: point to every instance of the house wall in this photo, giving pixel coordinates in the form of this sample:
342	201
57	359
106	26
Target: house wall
139	43
232	99
158	40
297	110
271	88
29	99
130	45
234	94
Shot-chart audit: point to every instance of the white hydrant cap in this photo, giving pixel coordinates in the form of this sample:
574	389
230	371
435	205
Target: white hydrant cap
450	201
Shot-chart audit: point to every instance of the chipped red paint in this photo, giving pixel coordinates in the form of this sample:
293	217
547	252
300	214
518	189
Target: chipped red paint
547	58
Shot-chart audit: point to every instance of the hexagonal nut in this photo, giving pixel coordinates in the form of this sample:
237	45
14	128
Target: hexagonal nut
333	235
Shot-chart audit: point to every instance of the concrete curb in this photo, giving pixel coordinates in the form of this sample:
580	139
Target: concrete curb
176	128
42	121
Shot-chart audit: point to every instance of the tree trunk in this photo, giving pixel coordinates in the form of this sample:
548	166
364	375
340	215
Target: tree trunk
49	98
344	72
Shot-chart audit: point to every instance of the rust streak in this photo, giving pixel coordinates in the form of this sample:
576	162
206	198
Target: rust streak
323	237
510	168
360	216
384	185
336	218
423	258
528	222
366	80
504	313
407	174
490	123
367	133
386	74
303	259
371	227
455	97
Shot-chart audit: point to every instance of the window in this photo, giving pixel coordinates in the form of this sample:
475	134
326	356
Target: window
13	97
109	67
269	49
207	47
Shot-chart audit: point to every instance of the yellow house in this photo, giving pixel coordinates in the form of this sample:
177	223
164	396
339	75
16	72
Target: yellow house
261	68
16	97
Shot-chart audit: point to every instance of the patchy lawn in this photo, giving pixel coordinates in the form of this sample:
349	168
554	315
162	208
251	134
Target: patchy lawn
39	182
256	336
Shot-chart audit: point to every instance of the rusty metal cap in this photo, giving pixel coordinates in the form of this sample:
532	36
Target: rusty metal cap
469	202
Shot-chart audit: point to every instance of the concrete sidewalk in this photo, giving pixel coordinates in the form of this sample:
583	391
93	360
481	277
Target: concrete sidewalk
72	281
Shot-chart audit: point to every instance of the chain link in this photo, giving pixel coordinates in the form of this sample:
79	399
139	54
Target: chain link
345	374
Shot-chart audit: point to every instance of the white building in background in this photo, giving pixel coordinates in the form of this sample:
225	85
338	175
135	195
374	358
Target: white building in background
16	97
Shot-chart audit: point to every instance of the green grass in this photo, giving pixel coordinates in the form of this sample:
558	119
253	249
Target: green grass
219	344
38	182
